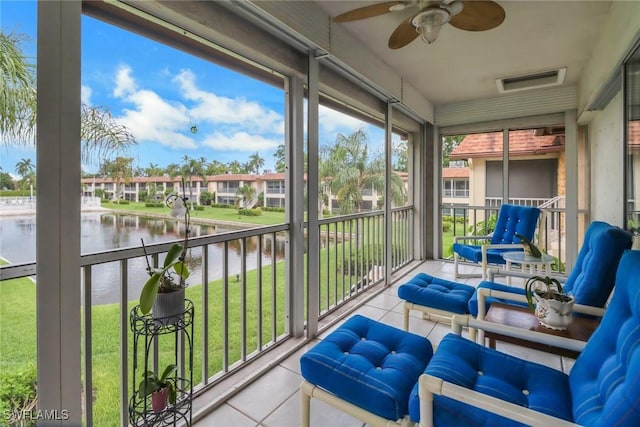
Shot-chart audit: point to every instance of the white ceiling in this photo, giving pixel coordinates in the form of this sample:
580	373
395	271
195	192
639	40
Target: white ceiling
462	65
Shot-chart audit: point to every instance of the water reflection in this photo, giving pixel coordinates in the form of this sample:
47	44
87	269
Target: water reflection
100	232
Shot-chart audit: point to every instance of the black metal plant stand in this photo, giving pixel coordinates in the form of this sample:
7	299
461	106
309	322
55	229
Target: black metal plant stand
146	331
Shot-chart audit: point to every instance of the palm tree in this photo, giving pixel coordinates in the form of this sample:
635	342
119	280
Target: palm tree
17	92
216	167
190	168
348	168
100	133
255	163
280	159
25	169
247	192
120	170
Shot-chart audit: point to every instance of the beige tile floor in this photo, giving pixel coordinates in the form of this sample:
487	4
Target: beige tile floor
274	399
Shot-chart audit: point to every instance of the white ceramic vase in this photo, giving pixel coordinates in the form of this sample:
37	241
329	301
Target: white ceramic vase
552	313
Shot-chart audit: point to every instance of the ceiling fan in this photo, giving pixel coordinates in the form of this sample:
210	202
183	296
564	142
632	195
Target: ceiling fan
470	15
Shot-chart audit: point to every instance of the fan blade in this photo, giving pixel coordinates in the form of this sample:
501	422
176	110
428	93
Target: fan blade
404	34
478	16
368	11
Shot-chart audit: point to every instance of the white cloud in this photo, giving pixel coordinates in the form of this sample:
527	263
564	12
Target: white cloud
241	141
240	125
223	110
334	121
85	95
125	85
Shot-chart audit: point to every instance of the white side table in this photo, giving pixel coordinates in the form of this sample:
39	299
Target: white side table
528	263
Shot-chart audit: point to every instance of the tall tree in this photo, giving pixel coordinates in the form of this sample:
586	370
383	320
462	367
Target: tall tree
216	167
153	170
280	159
190	168
17	92
101	135
120	170
350	169
247	192
256	163
449	143
24	167
401	157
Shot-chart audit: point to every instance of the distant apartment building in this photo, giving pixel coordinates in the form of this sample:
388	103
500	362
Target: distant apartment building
536	168
225	188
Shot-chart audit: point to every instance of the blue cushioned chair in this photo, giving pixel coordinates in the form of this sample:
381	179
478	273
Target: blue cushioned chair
590	281
593	276
468	384
512	219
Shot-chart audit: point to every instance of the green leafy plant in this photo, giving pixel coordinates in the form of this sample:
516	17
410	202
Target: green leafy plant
152	383
535	252
173	274
547	287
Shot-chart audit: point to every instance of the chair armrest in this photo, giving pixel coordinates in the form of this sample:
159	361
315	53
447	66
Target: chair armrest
458	322
492	272
430	385
456	239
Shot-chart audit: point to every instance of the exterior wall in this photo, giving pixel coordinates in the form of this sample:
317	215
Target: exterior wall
606	141
477	181
562	174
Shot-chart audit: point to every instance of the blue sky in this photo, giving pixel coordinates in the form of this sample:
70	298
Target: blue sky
159	93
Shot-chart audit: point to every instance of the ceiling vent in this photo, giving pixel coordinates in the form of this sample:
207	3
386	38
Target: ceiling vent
531	81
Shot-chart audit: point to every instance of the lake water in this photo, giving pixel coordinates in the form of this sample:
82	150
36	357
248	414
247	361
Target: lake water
105	231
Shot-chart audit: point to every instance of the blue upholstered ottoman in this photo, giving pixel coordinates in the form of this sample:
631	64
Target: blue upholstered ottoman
429	291
369	364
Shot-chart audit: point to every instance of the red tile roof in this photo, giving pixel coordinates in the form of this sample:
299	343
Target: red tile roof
455	172
521	143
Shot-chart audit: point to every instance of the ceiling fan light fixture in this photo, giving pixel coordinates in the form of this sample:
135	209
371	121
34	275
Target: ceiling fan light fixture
429	22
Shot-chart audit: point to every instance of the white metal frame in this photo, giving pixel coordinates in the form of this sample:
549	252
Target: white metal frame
430	386
484	263
308	390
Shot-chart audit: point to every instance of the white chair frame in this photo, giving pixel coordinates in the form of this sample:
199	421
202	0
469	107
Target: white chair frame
484	263
430	385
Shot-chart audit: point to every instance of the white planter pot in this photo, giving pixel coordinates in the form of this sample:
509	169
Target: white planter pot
552	313
169	307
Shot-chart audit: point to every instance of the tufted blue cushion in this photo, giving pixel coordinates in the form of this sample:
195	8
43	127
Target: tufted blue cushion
512	219
370	364
605	380
465	363
437	293
593	277
594	274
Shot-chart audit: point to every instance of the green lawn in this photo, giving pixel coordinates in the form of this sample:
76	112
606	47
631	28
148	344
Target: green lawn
18	319
221	214
18	333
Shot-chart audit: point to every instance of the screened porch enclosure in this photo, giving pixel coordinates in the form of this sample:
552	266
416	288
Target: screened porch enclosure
339	252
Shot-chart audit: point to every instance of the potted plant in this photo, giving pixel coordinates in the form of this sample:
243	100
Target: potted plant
552	307
163	292
529	248
161	388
